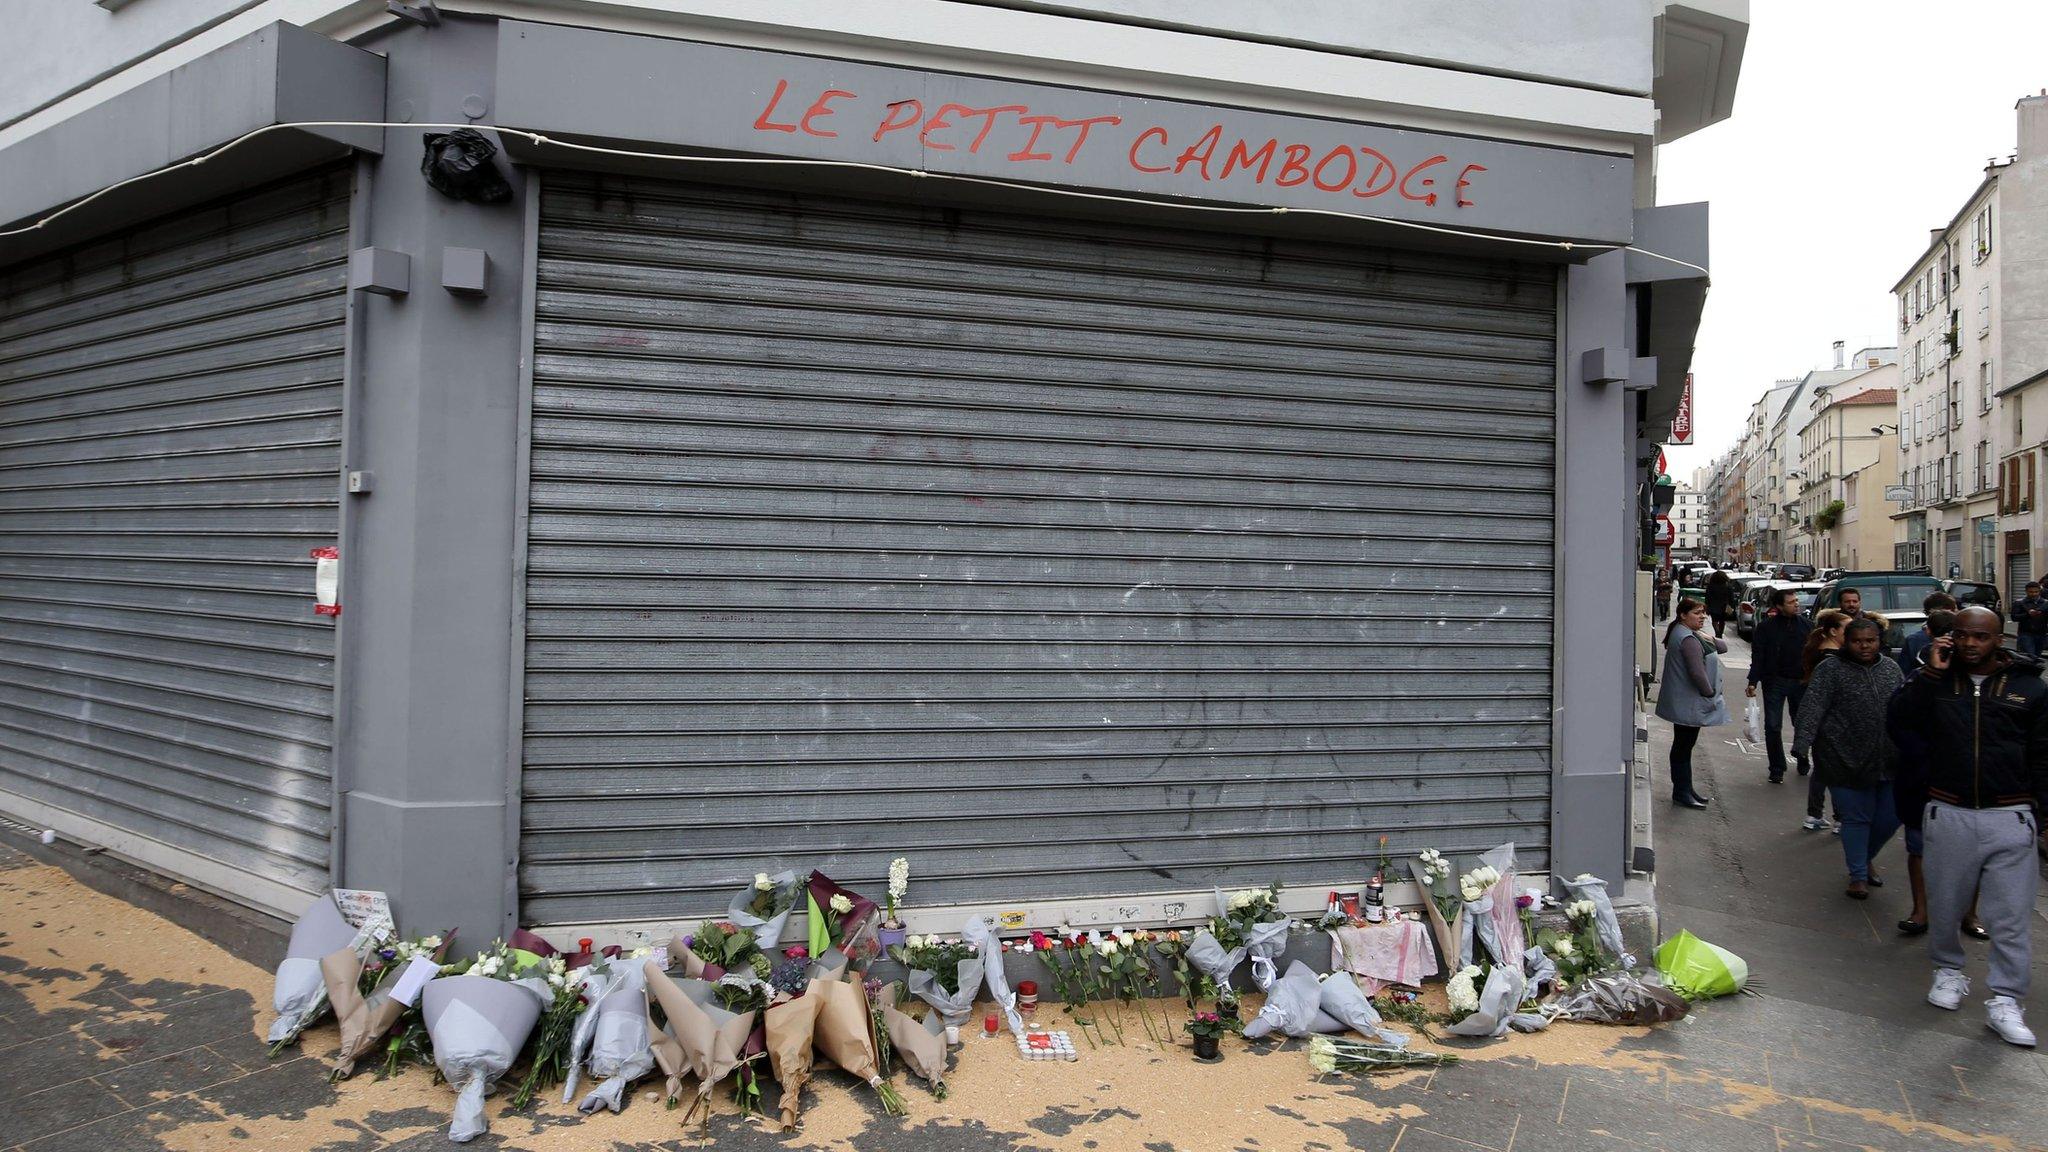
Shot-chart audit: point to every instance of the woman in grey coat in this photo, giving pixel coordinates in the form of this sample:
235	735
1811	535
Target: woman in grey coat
1691	694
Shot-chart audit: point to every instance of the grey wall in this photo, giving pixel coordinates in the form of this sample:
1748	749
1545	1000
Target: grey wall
72	42
1596	43
1596	494
425	734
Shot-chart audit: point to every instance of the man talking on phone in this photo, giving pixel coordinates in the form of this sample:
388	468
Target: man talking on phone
1981	716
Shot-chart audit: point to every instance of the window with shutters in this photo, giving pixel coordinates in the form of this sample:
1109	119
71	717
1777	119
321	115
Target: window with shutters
2019	418
2027	499
2005	501
1955	404
1982	466
1983	385
1984	310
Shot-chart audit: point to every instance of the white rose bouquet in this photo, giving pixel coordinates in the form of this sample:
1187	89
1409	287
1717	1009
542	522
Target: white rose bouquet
1248	924
479	1020
764	906
945	975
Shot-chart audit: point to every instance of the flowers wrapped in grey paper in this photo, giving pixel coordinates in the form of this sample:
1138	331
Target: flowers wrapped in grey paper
344	924
1344	1005
1500	1005
1540	970
301	991
1587	886
1621	998
611	1039
981	933
1291	1005
953	1007
1492	920
768	932
1263	944
478	1026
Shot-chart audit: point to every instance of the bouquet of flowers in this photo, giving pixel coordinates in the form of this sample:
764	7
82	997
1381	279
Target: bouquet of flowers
899	885
344	921
1247	924
981	933
1327	1056
709	1037
550	1056
1070	960
1343	1005
1491	923
1129	975
791	1032
1587	888
1496	1007
612	1039
718	947
945	975
1623	997
763	908
1291	1005
845	1036
366	1009
1580	951
921	1043
1446	912
479	1018
839	917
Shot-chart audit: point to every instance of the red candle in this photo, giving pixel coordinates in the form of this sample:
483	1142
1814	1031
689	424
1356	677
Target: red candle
989	1026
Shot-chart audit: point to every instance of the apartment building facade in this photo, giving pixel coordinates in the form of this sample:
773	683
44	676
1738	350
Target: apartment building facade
1973	323
1847	457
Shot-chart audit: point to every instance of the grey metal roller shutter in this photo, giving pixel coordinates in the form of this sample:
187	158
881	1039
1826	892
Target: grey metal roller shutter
1065	559
170	429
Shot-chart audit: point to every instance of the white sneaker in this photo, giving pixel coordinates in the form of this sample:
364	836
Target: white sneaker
2002	1015
1950	986
1814	823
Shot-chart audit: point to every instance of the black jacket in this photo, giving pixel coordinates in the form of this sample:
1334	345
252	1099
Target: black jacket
1777	648
2031	625
1982	746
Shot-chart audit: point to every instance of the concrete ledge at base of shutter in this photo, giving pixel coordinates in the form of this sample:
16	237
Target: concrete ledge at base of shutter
245	933
281	74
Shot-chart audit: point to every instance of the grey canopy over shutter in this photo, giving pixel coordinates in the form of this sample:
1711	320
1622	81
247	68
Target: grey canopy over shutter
170	428
1066	559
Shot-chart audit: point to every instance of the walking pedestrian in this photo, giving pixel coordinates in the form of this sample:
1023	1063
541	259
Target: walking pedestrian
1909	795
1690	696
1664	596
1720	601
1822	643
1914	650
2031	617
1777	651
1842	720
1982	716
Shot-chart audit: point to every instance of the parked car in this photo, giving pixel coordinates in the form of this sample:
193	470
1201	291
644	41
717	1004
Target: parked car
1827	574
1969	592
1756	602
1882	591
1796	572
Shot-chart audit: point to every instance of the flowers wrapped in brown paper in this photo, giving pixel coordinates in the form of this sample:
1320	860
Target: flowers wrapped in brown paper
843	1037
920	1043
367	1019
712	1038
792	1028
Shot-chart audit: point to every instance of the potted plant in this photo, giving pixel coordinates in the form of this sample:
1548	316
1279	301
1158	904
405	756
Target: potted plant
1208	1028
891	934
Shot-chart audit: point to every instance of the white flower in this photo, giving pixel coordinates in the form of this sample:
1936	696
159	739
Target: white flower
1108	947
639	953
1585	878
555	979
1469	971
1582	910
431	943
899	878
841	904
1464	998
1322	1055
762	882
1127	939
557	965
1563	947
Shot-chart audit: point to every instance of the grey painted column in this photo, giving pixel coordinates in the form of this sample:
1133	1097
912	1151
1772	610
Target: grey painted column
426	760
1594	702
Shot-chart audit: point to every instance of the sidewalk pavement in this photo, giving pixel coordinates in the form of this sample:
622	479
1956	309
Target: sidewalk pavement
120	1031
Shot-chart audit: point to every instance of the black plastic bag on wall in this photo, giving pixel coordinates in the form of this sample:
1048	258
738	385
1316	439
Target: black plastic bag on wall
458	165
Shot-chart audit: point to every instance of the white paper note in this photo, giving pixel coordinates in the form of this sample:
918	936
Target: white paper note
414	978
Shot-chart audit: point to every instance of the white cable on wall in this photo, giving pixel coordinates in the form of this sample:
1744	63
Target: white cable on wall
550	142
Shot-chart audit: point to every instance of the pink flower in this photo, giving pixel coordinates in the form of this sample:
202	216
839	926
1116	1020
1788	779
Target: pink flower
1524	901
797	952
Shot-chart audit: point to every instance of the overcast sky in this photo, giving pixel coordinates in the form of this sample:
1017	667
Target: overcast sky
1858	125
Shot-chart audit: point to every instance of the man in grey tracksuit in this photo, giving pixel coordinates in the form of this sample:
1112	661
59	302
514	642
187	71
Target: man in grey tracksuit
1980	717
